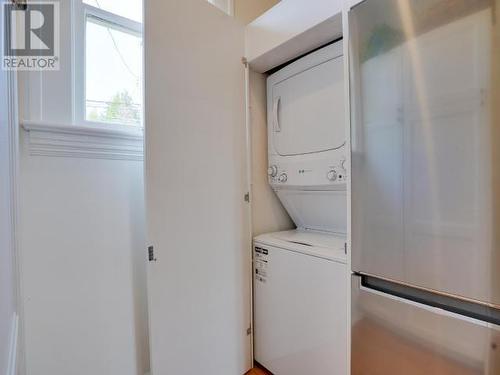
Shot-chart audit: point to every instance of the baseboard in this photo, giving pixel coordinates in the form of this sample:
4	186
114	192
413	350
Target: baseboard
11	369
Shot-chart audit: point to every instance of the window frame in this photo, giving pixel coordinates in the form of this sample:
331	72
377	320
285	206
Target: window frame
228	8
81	12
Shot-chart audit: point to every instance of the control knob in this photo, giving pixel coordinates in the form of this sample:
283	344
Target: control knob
342	163
272	171
283	177
331	175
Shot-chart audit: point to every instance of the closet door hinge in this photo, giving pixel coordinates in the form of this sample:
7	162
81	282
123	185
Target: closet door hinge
345	248
249	331
247	197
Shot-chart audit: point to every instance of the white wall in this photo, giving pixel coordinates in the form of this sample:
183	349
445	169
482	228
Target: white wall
248	10
7	278
83	250
83	265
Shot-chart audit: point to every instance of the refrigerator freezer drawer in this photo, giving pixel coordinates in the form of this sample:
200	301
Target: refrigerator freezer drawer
394	336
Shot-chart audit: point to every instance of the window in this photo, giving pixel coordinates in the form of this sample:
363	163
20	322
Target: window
108	62
131	9
224	5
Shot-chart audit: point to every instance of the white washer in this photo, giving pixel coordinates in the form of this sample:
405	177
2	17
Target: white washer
301	303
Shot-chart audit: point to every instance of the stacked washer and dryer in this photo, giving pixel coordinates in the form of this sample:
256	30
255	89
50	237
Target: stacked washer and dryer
301	276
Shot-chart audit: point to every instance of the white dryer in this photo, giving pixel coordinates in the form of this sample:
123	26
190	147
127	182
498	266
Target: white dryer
301	303
307	139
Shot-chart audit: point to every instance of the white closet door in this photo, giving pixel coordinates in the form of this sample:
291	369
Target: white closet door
199	286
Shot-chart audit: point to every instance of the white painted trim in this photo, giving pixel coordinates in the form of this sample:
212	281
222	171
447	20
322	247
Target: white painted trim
45	139
230	8
17	354
12	366
79	13
78	60
113	19
121	132
248	131
226	6
347	88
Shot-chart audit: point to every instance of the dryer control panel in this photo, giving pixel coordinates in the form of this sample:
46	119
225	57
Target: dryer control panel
328	174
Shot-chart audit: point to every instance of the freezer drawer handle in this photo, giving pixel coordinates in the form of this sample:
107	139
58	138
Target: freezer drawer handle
458	306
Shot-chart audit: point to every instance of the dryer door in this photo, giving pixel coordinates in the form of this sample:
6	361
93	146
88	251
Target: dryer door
307	109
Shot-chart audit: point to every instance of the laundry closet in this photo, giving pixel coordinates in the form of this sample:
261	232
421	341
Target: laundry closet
300	276
247	146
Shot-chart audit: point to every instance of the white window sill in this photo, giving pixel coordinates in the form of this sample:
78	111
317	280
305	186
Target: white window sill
102	130
95	141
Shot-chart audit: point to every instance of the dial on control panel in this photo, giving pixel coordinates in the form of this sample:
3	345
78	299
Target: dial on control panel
283	177
331	175
272	171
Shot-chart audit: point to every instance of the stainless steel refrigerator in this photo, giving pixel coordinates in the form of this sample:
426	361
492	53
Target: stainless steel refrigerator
425	107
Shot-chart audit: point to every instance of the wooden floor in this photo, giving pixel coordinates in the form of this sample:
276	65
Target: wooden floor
257	371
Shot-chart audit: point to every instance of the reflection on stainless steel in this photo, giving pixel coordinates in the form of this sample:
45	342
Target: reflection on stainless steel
391	336
425	116
423	147
379	347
